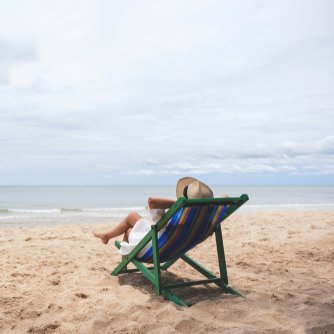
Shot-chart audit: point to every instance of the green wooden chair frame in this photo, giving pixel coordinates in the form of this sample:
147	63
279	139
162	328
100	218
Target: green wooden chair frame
153	273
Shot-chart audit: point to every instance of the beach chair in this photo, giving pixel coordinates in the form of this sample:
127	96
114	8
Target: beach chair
187	223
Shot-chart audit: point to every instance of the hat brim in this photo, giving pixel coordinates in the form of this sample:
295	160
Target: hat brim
181	184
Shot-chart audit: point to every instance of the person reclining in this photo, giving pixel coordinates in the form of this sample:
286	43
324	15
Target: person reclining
134	226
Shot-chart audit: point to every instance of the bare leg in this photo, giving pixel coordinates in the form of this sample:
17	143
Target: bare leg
126	234
121	228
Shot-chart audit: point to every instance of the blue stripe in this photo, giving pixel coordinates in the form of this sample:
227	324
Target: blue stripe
182	242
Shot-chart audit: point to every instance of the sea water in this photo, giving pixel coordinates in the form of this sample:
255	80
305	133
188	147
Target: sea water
49	205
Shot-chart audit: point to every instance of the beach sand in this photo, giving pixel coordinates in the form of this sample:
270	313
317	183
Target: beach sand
57	280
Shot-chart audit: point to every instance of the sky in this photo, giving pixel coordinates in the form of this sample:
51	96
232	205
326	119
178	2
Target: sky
145	92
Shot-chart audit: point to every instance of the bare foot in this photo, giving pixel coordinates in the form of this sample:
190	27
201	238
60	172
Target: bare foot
103	236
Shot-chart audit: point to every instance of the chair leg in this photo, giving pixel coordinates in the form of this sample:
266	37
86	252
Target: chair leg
156	261
174	298
121	266
221	254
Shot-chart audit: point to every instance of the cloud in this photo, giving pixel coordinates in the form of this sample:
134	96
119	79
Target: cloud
201	88
300	162
13	54
327	145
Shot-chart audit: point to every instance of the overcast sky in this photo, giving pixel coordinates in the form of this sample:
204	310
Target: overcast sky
145	92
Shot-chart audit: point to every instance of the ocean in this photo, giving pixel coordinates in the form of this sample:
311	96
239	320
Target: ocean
25	206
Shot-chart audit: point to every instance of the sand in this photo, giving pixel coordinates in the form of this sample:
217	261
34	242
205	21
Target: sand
57	280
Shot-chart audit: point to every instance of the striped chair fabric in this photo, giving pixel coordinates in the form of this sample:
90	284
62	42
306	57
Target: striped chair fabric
188	227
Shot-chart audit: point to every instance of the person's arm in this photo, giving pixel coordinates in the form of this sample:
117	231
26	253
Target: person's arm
160	203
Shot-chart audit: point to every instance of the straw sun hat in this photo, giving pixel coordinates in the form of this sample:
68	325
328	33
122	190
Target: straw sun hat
191	188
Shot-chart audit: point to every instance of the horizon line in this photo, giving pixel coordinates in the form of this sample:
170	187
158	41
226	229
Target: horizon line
164	185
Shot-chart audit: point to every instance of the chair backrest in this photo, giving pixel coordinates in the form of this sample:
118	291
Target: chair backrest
188	227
